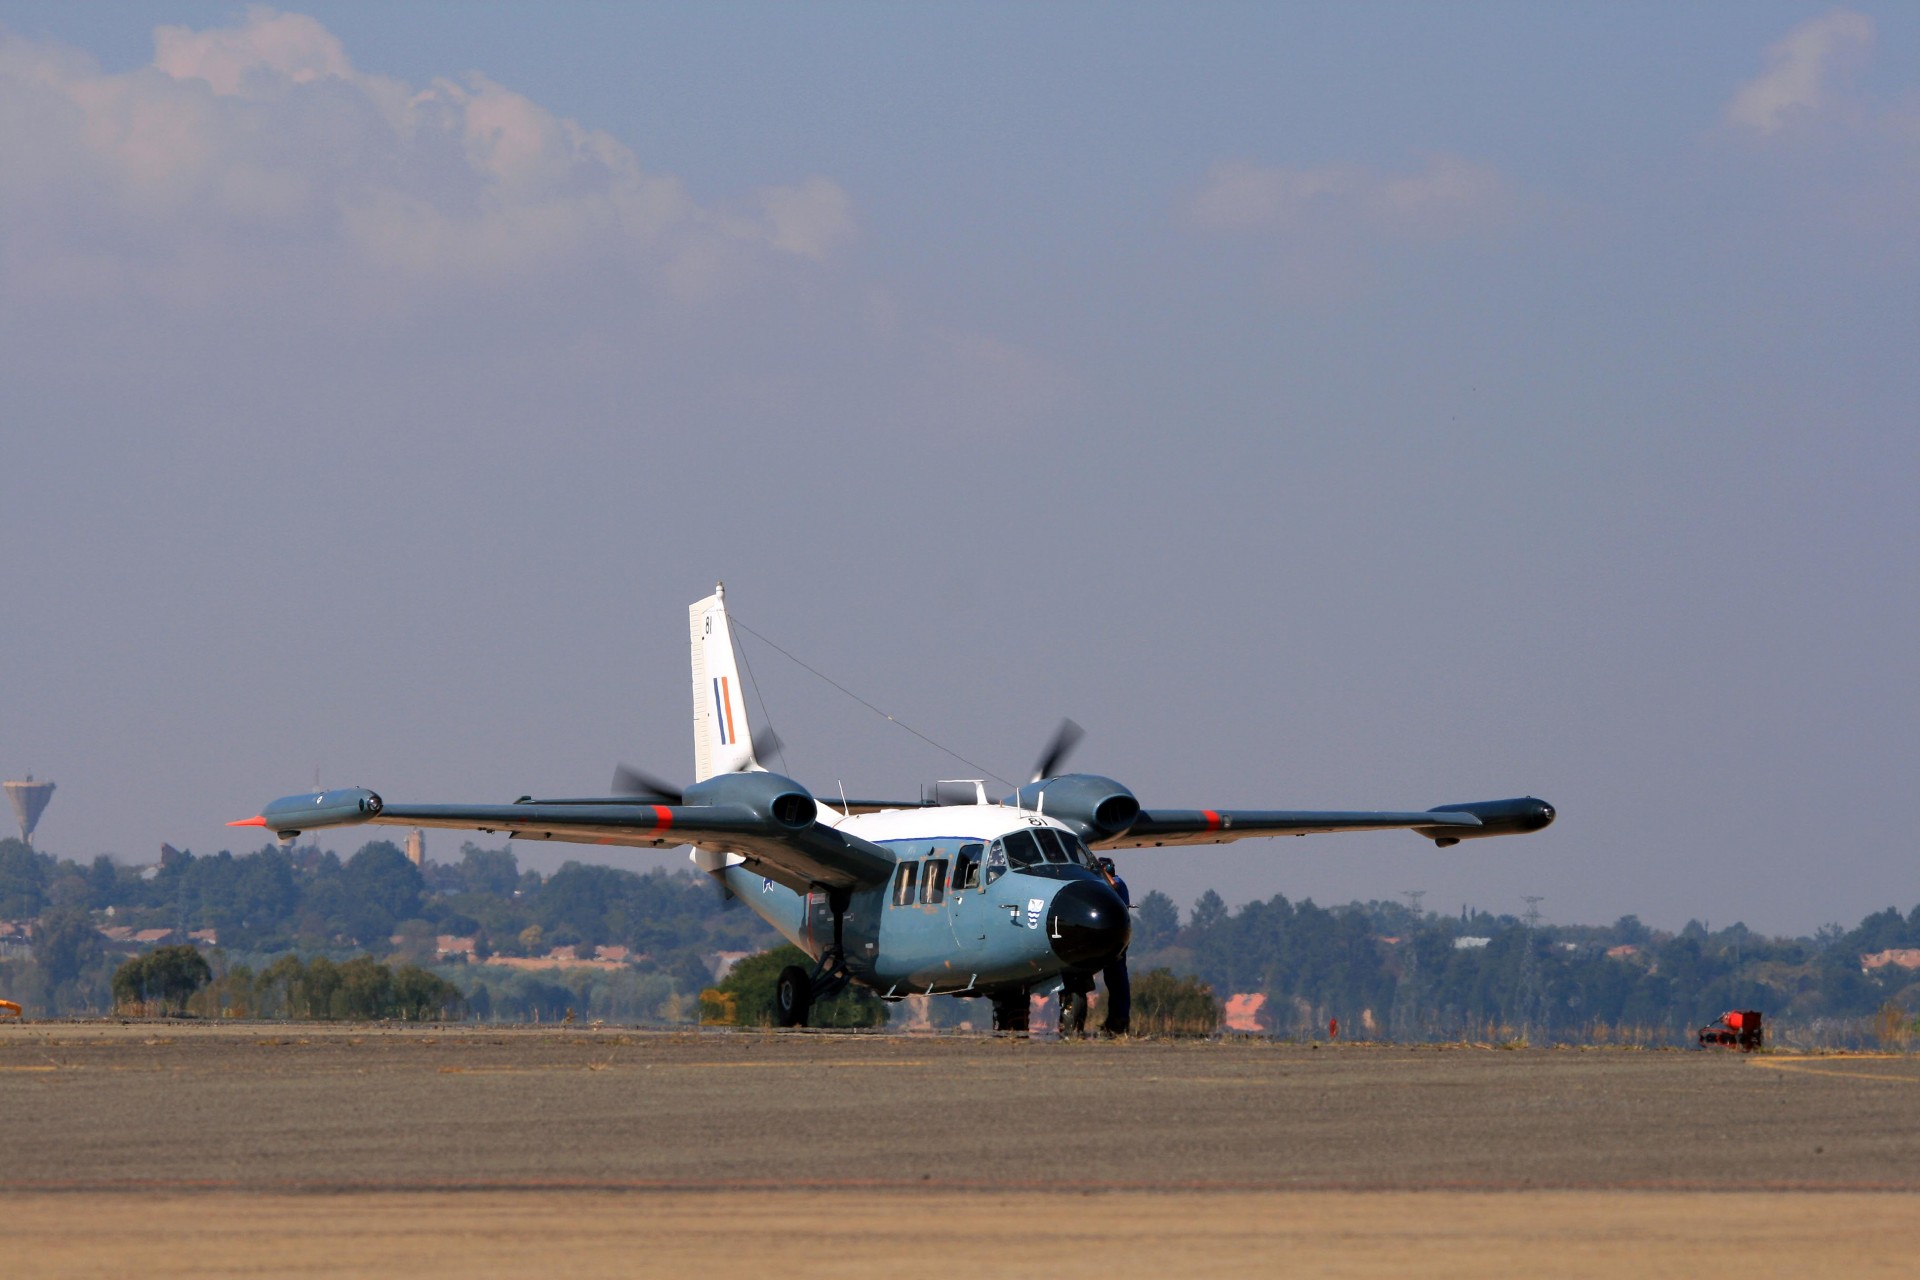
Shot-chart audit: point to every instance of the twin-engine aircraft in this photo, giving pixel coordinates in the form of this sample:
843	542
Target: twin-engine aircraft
981	898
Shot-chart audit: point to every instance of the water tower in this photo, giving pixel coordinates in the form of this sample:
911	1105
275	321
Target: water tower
29	802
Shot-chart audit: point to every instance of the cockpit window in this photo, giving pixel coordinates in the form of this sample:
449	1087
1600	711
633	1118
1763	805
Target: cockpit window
1076	851
996	861
1022	850
1050	845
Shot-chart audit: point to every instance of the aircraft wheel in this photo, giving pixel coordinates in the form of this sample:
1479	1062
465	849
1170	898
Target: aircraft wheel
1073	1014
792	997
1010	1013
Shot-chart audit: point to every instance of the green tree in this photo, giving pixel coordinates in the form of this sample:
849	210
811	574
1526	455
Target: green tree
65	944
494	871
280	987
103	880
1167	1005
1208	911
319	984
750	983
366	990
382	888
420	996
1155	923
23	881
167	976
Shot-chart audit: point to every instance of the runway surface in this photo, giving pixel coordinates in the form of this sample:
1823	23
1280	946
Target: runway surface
888	1151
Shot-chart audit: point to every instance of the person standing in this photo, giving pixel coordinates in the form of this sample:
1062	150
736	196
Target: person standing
1119	1000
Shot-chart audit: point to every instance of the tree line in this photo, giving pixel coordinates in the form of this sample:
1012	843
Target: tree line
1380	968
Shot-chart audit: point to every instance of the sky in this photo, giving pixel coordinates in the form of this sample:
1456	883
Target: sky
1375	406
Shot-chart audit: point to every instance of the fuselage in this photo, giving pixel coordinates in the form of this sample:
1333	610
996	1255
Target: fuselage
983	897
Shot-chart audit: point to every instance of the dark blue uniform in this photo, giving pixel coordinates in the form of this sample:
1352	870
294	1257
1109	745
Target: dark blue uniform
1119	991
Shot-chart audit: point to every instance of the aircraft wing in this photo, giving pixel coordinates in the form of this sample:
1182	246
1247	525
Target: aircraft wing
1445	825
789	848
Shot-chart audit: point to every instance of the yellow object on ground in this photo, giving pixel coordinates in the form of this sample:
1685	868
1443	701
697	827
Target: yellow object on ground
8	1009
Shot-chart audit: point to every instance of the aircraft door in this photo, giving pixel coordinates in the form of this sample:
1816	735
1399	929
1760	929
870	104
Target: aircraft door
967	909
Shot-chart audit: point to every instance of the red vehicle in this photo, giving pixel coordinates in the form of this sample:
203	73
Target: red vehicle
1736	1029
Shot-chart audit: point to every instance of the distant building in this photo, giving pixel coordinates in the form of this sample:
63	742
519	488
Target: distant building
1466	944
417	847
1245	1012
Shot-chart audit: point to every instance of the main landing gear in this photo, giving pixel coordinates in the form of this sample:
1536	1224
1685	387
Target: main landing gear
796	989
1011	1009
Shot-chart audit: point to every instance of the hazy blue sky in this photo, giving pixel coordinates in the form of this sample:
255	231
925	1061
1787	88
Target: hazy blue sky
1333	406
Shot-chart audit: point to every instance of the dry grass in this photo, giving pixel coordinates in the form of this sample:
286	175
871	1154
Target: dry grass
804	1234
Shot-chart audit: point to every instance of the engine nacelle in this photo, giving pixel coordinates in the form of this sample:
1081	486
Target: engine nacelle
767	795
290	815
1497	818
1096	808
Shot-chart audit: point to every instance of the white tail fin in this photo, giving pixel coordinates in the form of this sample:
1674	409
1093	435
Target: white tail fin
722	738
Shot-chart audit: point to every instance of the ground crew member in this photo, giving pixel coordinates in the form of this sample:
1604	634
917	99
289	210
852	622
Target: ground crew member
1119	992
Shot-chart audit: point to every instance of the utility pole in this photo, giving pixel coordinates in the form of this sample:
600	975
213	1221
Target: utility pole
1528	998
1408	1022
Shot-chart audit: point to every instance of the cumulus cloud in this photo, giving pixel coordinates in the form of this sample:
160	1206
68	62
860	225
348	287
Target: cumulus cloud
1828	153
1448	197
1326	230
247	155
1806	72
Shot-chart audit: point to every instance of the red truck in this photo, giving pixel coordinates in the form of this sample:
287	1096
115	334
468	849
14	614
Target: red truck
1736	1029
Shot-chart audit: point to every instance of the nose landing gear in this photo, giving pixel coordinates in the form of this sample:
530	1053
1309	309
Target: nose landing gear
1073	1014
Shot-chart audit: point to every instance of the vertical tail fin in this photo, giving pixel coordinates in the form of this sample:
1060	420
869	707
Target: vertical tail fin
722	738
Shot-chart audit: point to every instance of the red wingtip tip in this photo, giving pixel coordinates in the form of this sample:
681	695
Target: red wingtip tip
250	822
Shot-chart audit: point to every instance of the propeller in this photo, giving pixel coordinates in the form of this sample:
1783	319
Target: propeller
1065	739
641	785
766	744
629	781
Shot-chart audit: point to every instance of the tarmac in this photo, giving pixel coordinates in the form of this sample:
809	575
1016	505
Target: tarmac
176	1148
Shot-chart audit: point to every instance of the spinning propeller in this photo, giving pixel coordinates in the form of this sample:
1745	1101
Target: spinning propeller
1065	739
638	784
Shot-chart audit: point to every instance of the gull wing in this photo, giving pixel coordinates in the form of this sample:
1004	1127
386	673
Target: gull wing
790	848
1445	825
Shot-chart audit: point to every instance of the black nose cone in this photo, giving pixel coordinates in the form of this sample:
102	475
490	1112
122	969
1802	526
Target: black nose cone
1087	924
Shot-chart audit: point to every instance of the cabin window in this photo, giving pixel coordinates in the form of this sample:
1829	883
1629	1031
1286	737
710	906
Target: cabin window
966	867
1050	846
996	861
1022	850
903	882
933	885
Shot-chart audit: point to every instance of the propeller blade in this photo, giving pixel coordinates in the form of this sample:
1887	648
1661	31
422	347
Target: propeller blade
629	781
1065	739
766	744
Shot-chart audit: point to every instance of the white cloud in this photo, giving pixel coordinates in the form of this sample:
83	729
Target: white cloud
1832	156
250	155
1448	197
1806	72
270	47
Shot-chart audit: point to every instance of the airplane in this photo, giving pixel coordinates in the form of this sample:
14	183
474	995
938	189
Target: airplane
951	895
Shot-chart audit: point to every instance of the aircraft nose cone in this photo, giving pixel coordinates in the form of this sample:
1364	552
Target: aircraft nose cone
1543	815
1087	924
